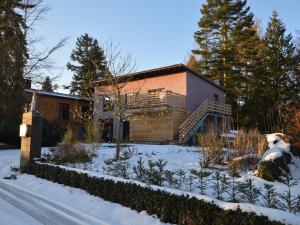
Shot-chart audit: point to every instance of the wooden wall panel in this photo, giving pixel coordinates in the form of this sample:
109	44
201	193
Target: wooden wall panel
161	127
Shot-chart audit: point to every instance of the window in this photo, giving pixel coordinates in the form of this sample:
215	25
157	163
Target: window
64	111
216	97
84	109
107	104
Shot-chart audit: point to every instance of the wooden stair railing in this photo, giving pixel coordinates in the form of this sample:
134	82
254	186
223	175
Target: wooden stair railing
208	106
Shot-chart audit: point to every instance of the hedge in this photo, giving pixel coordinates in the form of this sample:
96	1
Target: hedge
169	208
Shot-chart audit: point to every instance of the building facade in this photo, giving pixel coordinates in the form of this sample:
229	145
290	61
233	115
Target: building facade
58	106
166	104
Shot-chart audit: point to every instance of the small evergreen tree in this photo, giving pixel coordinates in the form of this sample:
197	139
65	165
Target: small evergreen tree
270	197
232	186
190	181
180	178
224	182
249	193
289	200
89	65
201	176
217	185
297	206
47	85
156	174
140	170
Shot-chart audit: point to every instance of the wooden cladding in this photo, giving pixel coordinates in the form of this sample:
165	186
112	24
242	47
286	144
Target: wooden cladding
156	127
61	109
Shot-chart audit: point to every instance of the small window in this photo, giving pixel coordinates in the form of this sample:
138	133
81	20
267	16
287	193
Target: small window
64	111
216	97
107	104
84	109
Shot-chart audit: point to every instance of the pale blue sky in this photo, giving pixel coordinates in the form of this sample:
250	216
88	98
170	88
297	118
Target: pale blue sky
155	32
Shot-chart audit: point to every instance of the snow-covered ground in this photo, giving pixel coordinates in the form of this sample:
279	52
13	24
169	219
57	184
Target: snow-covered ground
30	200
180	157
187	158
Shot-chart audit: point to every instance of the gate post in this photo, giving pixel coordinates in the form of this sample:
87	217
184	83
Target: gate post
31	135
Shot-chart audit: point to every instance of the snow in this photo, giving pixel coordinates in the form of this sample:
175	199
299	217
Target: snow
56	94
13	216
67	198
276	147
273	214
177	157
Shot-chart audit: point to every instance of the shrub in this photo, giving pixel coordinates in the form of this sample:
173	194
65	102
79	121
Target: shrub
68	153
52	133
211	147
169	208
273	170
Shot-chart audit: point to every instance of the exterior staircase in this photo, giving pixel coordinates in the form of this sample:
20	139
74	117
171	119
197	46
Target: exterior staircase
194	122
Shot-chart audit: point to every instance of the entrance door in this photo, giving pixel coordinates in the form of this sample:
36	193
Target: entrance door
126	131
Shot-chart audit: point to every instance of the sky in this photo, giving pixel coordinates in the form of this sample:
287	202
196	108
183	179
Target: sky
154	32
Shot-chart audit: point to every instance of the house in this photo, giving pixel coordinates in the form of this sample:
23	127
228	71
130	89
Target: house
57	106
167	104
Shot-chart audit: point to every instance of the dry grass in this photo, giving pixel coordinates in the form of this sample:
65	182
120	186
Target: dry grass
211	147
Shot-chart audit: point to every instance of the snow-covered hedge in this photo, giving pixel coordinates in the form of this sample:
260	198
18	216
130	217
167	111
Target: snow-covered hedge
171	208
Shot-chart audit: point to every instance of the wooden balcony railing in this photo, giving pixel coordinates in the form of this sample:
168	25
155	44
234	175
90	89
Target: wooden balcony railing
155	99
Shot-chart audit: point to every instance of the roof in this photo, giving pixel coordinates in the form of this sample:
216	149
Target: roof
58	95
176	68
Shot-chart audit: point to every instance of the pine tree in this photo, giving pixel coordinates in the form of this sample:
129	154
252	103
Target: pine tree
217	185
139	170
232	186
13	55
180	178
270	197
289	200
226	45
249	193
202	179
90	65
47	85
275	88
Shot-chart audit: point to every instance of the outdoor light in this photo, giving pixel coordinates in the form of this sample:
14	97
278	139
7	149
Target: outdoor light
24	130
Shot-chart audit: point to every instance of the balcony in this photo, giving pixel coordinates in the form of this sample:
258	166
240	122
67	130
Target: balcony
163	98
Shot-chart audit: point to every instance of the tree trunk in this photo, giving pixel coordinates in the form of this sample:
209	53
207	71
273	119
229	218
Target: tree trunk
118	141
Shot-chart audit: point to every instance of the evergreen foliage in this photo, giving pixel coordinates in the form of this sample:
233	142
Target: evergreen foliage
88	65
290	201
13	55
226	45
201	176
274	88
156	174
232	186
140	170
217	185
47	85
249	193
270	197
181	178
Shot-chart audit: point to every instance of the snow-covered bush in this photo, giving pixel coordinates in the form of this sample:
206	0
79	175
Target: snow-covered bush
275	160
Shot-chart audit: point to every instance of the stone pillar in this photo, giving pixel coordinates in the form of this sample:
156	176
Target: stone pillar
31	141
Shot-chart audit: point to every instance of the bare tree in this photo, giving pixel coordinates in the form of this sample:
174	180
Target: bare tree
39	60
115	80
